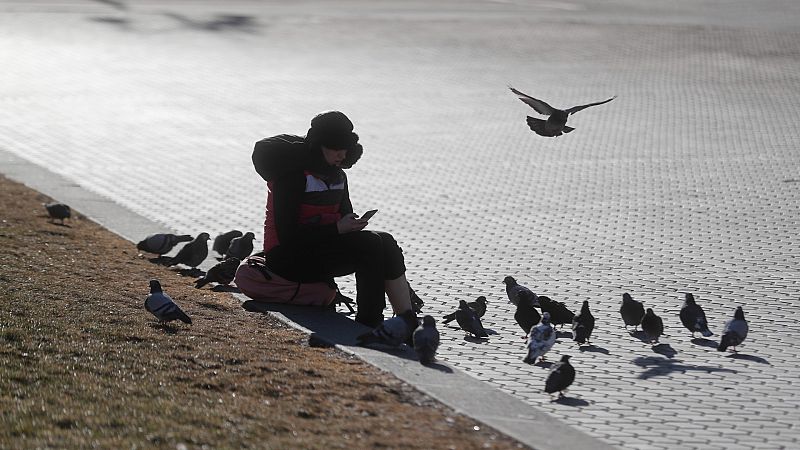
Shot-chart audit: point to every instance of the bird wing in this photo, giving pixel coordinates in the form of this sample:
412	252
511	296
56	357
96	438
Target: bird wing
575	109
538	105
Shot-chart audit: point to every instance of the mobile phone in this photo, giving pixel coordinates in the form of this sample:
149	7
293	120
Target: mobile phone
367	215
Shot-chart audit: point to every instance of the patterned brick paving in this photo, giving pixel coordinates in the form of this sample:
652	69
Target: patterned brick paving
688	181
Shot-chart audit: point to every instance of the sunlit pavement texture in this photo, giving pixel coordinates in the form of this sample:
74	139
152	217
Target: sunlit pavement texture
689	181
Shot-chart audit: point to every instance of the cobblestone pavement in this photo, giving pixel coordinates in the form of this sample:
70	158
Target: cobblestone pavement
688	182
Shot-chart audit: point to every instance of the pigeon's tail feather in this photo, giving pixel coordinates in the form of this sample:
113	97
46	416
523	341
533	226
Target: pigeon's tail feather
567	129
184	238
706	332
538	126
183	317
449	318
724	343
200	282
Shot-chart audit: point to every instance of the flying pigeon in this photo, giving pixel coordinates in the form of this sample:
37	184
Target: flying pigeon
693	317
479	306
393	332
192	254
541	340
735	331
526	315
241	247
556	123
513	289
426	340
161	243
582	325
652	325
58	211
559	313
162	306
469	321
632	311
221	273
561	376
222	242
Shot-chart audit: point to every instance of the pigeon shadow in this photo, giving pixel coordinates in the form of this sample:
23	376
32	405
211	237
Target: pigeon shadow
665	349
61	225
490	331
476	340
226	288
438	366
656	366
570	401
167	328
593	349
161	260
193	272
703	342
546	364
752	358
641	335
563	334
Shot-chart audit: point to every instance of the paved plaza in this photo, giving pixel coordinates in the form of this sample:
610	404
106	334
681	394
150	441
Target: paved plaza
689	181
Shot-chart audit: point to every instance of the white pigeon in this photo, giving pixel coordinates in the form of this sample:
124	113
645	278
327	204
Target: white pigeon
162	306
426	340
541	340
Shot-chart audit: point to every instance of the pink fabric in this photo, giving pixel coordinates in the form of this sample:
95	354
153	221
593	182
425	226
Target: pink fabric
252	282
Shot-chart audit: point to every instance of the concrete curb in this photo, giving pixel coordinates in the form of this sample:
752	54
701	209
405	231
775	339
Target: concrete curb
454	388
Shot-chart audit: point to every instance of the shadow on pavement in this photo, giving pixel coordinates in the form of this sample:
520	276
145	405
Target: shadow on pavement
571	401
665	349
703	342
660	366
752	358
593	349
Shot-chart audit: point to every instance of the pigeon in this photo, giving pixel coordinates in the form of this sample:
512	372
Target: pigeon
222	242
479	306
162	306
193	253
527	316
241	247
393	332
561	376
58	211
582	325
222	273
556	123
513	289
632	311
426	340
735	331
559	313
162	243
652	325
693	317
541	340
469	321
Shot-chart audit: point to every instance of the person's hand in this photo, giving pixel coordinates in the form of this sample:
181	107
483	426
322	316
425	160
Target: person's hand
350	223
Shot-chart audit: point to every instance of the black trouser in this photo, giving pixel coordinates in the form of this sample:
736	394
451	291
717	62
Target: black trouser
374	256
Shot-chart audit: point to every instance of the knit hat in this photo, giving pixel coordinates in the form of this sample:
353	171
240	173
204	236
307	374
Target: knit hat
332	129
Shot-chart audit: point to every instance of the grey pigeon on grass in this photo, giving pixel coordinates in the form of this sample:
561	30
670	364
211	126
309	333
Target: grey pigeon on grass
526	315
58	211
223	241
479	306
561	376
559	313
192	254
556	123
583	325
735	331
631	311
541	339
426	340
469	321
693	317
652	325
162	306
162	243
221	273
513	290
241	247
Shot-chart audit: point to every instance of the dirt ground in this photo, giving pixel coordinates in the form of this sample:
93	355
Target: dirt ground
82	364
